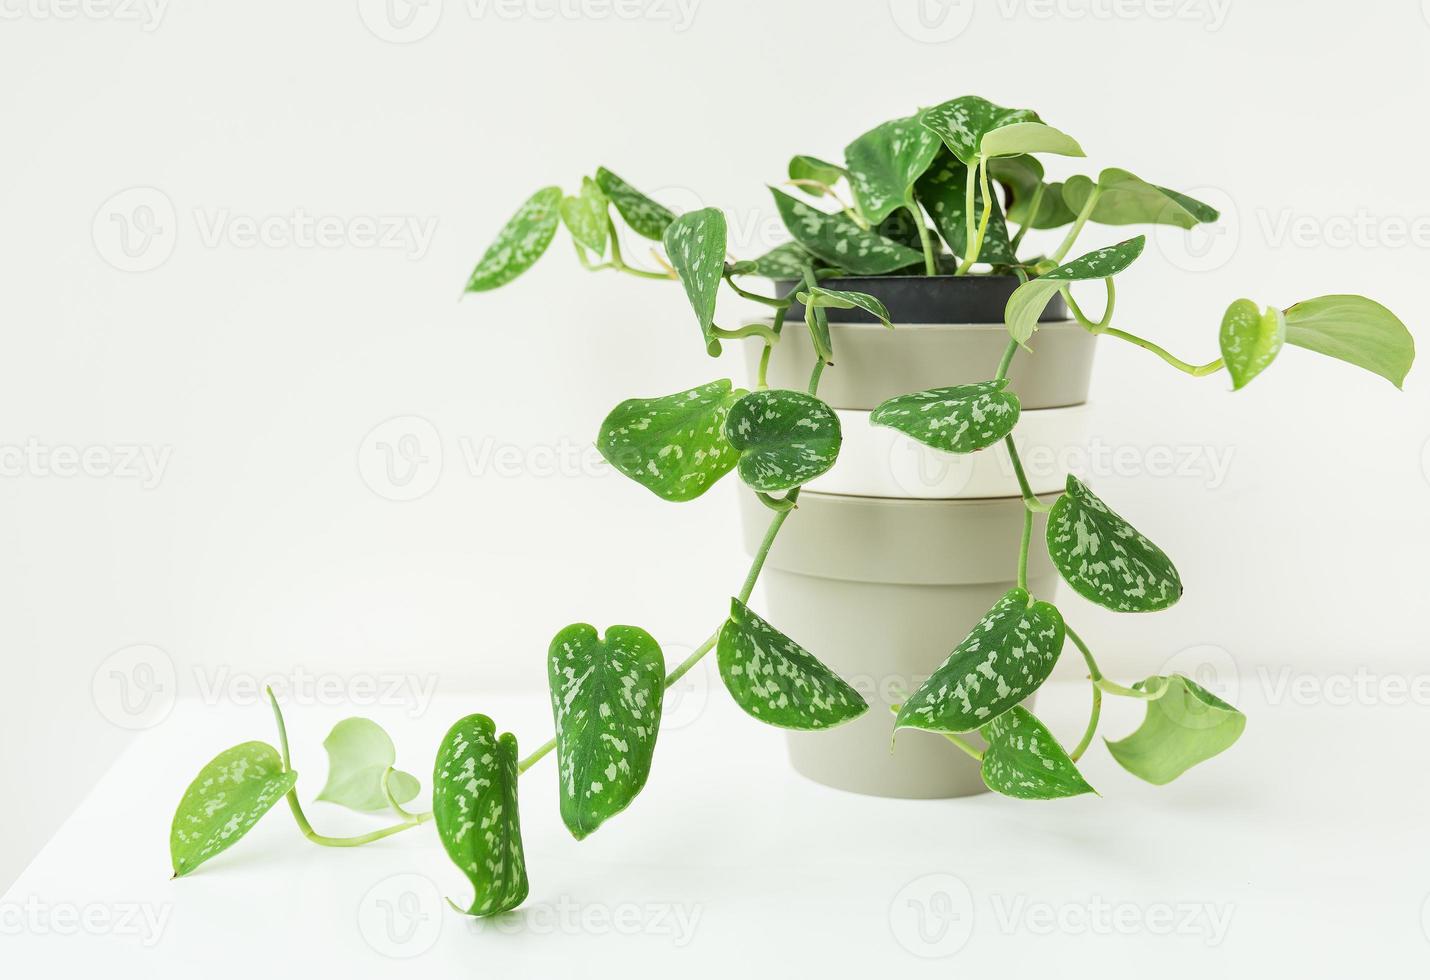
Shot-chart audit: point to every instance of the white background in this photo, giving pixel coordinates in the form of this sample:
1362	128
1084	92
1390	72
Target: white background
259	372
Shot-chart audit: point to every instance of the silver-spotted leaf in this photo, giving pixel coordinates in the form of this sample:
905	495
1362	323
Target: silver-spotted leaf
606	697
838	240
1024	761
777	681
1126	199
1030	299
1356	330
360	760
1005	658
520	243
1185	724
1104	558
1250	340
224	801
695	245
785	438
787	261
674	446
645	217
963	123
958	419
474	806
943	192
844	299
585	216
884	163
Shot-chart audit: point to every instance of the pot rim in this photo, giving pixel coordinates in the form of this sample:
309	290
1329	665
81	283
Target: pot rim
916	299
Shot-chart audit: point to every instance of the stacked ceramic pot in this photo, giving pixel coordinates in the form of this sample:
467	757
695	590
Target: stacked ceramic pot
897	552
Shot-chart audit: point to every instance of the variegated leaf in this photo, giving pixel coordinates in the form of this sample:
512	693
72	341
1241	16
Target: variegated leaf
1005	658
836	239
787	261
646	217
1126	199
1030	299
695	244
943	192
962	124
776	680
959	419
585	216
474	806
606	697
1250	340
1104	558
224	801
520	243
674	446
785	438
884	163
1024	761
844	299
1185	724
360	773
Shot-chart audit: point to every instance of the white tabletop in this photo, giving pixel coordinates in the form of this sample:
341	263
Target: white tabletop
1303	850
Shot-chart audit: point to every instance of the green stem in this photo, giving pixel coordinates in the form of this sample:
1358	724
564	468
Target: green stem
1076	229
976	245
925	240
969	225
748	330
1033	207
1030	500
977	755
618	263
757	298
1097	326
1092	668
1007	360
301	818
1092	721
1023	547
1195	370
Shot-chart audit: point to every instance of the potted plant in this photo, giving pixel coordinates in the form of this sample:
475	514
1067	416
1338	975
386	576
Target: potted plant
905	279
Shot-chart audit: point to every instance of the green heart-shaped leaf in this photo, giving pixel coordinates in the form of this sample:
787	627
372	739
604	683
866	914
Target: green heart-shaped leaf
776	680
836	239
224	801
1356	330
645	217
785	438
1024	761
1105	559
1005	658
520	243
585	216
1126	199
1250	340
1022	176
474	806
803	167
959	419
695	244
843	299
1030	299
606	697
360	756
943	192
885	162
963	123
673	446
1185	724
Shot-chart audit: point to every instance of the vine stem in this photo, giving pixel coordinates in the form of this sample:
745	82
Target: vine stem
774	301
975	243
746	590
301	818
1035	204
930	266
1077	227
1092	720
1195	370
